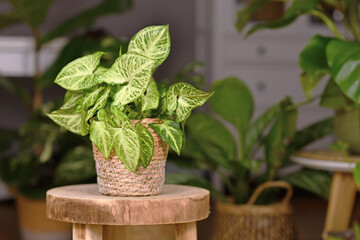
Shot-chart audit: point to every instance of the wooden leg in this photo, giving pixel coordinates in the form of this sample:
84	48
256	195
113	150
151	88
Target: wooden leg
186	231
87	232
341	201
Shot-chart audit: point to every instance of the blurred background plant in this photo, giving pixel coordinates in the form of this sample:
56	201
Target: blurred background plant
261	150
41	155
335	57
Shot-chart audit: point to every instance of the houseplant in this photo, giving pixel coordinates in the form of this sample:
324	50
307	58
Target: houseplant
211	146
44	158
333	57
126	116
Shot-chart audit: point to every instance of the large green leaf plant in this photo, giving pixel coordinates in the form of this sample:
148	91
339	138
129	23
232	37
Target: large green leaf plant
262	146
40	154
335	57
101	101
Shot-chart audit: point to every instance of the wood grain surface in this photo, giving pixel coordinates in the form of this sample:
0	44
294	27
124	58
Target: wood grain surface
85	205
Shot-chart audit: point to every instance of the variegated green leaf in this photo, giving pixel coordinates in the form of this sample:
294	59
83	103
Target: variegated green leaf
99	72
170	132
71	120
71	98
151	98
119	117
152	42
146	144
100	103
127	145
127	68
101	137
79	74
90	97
136	71
183	98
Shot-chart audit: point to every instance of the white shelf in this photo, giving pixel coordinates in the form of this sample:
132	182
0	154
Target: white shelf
17	55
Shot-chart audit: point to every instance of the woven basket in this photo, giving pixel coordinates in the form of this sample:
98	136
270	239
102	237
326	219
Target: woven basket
114	179
256	222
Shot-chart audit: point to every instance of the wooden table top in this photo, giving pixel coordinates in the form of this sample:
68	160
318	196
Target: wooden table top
84	204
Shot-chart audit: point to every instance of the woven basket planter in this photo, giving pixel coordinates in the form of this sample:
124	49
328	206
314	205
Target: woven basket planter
254	222
114	179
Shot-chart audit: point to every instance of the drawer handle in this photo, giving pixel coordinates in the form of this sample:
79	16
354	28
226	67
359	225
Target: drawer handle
261	86
261	50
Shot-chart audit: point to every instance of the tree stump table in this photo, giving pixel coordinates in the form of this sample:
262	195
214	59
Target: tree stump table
343	189
94	215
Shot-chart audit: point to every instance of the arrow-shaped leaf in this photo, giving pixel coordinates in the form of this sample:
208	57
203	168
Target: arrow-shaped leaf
152	42
71	99
127	144
135	71
183	98
100	136
79	74
146	144
100	103
151	98
71	120
170	132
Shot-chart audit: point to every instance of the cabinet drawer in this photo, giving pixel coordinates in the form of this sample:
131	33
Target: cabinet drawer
241	50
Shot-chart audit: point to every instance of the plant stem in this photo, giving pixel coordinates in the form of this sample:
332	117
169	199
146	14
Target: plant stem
37	93
354	23
330	24
241	143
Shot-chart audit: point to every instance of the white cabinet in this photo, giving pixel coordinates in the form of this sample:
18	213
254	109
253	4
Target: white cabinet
267	61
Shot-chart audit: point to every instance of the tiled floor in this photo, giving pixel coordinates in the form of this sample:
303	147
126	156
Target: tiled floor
309	217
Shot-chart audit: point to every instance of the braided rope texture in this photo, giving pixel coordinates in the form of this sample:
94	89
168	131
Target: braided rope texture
254	222
115	180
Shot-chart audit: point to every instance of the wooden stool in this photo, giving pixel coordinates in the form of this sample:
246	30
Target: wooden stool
92	213
343	189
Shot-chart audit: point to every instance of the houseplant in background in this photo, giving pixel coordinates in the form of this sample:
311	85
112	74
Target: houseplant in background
211	146
333	57
129	120
46	156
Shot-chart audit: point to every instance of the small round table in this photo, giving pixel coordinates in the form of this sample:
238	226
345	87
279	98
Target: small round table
343	189
93	214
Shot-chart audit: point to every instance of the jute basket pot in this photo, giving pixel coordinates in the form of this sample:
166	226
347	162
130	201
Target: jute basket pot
114	179
256	222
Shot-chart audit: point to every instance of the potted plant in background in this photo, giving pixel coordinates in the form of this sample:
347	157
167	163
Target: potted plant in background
211	146
333	57
47	156
127	118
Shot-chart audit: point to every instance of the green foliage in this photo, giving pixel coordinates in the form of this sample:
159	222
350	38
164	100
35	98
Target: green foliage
322	55
46	158
314	181
343	59
86	18
103	100
237	98
356	173
296	9
212	146
31	12
78	47
40	162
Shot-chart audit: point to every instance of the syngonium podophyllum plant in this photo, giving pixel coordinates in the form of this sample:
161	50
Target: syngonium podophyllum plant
336	57
101	101
211	145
